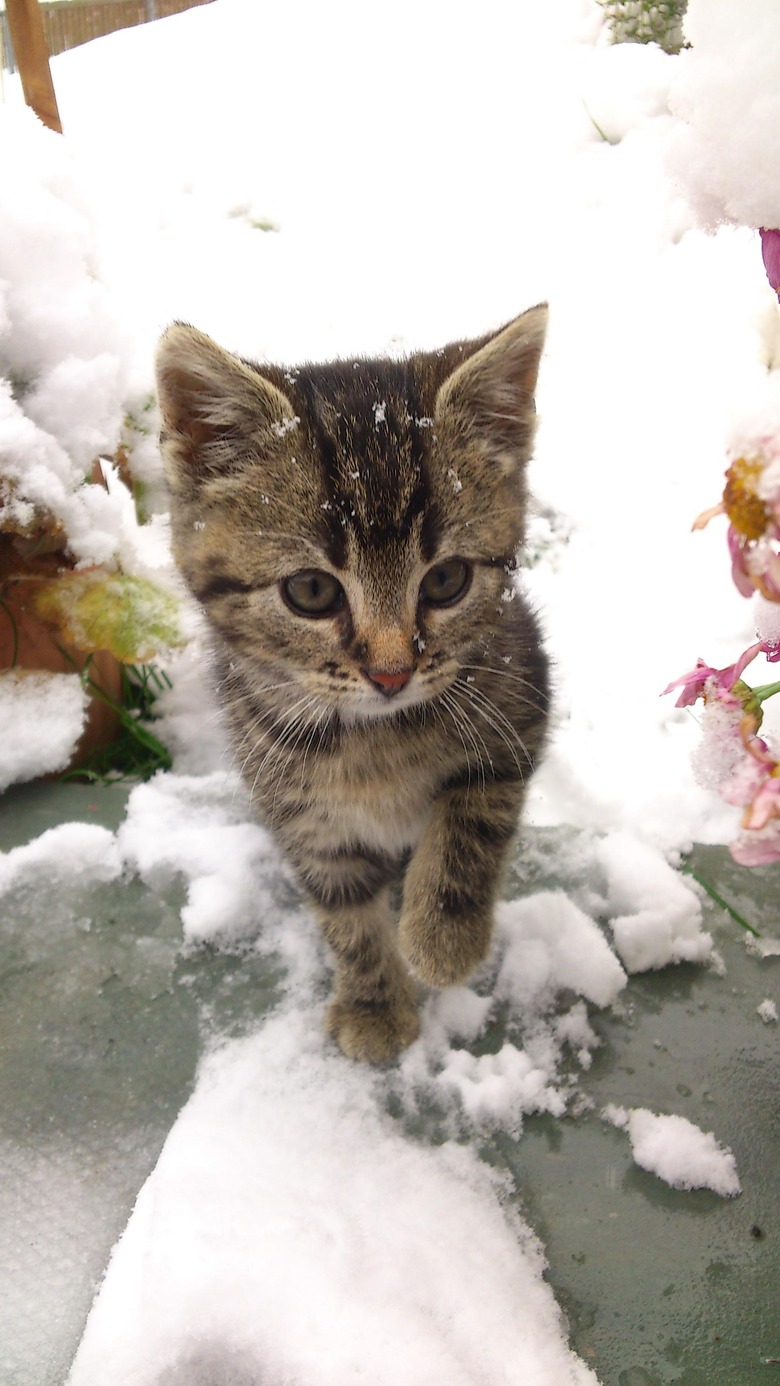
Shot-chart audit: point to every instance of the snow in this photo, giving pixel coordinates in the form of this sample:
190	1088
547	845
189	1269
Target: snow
56	706
654	916
767	1009
334	1251
552	944
269	1208
727	92
681	1154
193	827
59	854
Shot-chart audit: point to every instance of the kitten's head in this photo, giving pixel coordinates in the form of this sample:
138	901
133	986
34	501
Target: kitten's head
348	527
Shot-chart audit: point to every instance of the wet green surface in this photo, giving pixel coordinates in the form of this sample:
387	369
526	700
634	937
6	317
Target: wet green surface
662	1285
102	1021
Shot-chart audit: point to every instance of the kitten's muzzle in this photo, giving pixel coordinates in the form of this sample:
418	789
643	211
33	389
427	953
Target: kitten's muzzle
388	681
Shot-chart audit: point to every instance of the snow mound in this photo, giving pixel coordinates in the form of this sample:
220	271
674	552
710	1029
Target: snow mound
56	705
64	853
680	1153
196	827
655	916
551	944
726	93
335	1251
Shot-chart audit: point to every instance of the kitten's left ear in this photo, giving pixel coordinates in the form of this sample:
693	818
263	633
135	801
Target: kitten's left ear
216	409
492	392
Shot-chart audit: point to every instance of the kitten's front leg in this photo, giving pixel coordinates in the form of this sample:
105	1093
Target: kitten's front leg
453	878
373	1014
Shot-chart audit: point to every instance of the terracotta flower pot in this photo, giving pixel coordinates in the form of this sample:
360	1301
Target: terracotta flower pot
27	642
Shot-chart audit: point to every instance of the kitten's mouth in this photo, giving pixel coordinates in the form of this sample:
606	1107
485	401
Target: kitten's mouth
384	693
367	704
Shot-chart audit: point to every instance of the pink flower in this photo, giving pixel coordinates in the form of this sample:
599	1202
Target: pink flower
693	683
738	547
765	805
744	784
760	849
770	250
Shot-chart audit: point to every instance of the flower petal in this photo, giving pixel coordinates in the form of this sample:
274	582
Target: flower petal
770	251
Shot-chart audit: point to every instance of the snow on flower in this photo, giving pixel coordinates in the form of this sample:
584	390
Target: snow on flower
732	758
751	500
694	684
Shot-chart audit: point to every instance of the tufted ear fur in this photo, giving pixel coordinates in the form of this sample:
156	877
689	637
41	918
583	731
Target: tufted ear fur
491	394
218	412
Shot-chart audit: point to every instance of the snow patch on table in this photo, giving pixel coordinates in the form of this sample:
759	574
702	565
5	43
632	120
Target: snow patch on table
61	854
335	1251
680	1153
655	916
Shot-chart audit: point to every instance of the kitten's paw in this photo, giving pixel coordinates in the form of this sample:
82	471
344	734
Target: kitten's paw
372	1031
444	952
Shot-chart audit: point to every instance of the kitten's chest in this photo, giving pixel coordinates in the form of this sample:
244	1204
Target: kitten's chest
378	799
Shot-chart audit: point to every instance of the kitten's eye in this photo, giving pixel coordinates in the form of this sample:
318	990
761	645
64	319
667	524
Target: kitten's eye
446	583
313	593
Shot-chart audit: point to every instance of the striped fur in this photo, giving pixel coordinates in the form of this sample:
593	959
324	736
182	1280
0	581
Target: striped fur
371	472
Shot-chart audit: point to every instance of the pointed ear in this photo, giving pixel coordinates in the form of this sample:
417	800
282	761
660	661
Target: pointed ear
492	392
217	411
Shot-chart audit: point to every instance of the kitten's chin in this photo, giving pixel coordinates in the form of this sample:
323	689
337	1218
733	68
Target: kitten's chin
367	706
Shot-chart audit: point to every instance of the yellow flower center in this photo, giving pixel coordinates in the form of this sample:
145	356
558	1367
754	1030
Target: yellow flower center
744	507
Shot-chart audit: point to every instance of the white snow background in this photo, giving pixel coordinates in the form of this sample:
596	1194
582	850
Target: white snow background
429	173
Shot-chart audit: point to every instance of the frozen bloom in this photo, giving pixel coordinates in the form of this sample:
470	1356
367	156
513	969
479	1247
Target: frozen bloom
719	759
740	574
770	250
742	786
755	786
765	805
758	848
751	500
742	500
732	758
694	684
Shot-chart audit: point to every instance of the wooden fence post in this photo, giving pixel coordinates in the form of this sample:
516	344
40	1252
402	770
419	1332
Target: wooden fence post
32	59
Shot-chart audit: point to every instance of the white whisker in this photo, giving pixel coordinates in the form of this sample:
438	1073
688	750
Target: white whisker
487	709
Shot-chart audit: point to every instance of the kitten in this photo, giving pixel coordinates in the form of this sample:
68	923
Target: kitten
351	530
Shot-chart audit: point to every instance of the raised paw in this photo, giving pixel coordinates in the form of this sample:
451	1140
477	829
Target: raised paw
373	1031
444	949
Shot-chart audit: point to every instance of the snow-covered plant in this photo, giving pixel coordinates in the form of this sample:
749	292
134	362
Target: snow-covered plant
79	572
725	97
733	758
642	21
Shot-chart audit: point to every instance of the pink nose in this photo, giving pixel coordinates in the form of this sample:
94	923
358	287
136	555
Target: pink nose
387	681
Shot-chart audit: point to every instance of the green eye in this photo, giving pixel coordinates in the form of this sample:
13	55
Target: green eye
313	593
446	583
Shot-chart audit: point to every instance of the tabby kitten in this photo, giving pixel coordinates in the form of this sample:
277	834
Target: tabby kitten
351	530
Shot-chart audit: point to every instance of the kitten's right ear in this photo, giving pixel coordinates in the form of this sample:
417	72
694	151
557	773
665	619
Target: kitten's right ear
493	389
217	412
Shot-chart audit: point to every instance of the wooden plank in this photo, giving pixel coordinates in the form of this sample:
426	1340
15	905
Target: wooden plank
68	23
32	59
